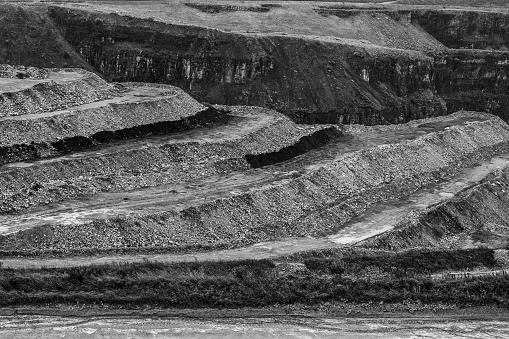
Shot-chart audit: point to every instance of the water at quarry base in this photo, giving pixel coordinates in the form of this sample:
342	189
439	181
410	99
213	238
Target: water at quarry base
23	327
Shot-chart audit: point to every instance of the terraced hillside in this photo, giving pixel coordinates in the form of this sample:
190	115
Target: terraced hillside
325	63
352	157
151	168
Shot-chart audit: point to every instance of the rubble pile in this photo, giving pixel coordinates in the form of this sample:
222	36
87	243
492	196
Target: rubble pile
315	201
31	90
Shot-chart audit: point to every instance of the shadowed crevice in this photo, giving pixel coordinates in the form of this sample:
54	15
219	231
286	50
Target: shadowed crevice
305	144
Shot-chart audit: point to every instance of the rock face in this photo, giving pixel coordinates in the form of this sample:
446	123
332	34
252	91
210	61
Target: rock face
472	75
30	38
466	29
474	80
310	80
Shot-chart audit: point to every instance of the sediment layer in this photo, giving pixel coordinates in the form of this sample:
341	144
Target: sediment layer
312	203
141	110
170	158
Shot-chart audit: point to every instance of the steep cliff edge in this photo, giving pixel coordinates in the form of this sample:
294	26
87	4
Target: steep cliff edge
474	80
458	29
473	74
29	37
311	79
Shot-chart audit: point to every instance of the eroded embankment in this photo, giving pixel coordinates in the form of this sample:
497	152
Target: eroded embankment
311	79
181	157
474	80
141	110
29	38
477	216
61	88
314	203
466	29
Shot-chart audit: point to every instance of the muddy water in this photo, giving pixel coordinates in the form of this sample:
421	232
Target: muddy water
23	327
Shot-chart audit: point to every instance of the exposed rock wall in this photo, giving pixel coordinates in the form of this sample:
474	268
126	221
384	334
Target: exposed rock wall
466	29
471	75
474	80
309	79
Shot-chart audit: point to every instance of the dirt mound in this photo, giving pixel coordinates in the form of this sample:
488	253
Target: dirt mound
54	89
140	110
23	72
477	216
168	158
311	203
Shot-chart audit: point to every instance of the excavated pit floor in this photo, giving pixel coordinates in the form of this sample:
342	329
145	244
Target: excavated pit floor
381	217
59	77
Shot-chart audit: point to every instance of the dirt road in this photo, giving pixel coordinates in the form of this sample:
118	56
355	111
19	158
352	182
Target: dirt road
380	218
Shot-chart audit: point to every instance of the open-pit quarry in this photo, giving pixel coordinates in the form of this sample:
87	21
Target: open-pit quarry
255	160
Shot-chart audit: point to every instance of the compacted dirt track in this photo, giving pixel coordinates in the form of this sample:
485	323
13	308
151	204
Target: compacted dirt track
378	218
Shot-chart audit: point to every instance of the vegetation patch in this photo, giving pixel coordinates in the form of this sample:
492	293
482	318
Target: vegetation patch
258	282
214	9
